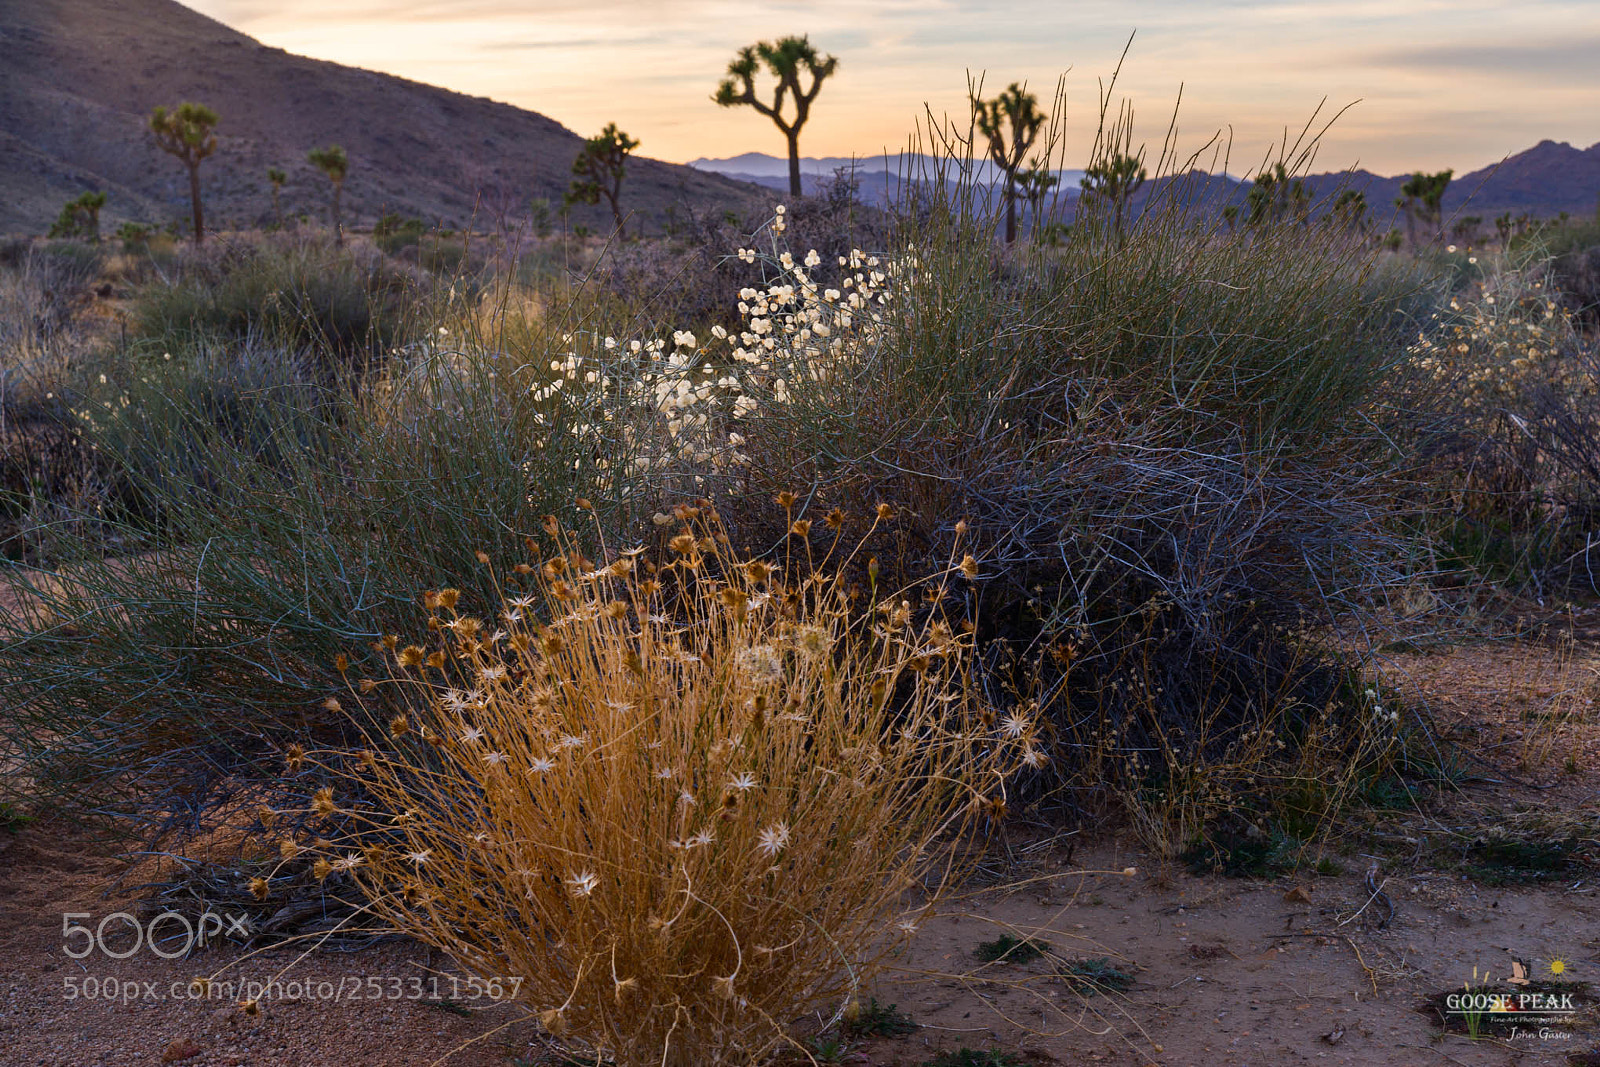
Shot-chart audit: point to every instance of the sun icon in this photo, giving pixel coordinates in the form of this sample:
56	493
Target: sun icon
1558	966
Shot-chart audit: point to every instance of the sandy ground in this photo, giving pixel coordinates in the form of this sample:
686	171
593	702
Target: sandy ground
1227	971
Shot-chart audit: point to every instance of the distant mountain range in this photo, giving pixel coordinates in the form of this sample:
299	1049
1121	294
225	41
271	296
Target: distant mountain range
1549	178
79	78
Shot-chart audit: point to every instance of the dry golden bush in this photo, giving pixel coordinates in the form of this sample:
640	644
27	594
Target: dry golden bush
675	807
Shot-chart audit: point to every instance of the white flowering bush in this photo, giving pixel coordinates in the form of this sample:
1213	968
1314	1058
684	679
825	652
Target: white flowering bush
680	803
680	404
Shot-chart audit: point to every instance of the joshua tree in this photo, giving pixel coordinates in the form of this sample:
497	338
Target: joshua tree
186	132
1019	110
80	217
598	171
1274	194
276	178
1349	211
784	59
333	162
1034	183
1421	198
1114	179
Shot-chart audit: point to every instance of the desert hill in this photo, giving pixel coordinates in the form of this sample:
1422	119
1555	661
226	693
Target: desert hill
78	79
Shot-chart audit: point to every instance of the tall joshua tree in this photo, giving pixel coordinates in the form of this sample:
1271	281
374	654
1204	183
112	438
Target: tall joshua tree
1011	122
333	162
276	179
186	132
599	169
785	60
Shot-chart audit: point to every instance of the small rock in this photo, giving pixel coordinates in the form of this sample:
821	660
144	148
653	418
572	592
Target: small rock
183	1048
1298	895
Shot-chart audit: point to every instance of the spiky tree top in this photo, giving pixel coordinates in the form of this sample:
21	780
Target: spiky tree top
784	59
332	161
1017	109
186	131
276	176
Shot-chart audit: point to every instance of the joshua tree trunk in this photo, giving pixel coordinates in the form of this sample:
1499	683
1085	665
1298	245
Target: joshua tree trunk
1011	210
277	211
794	161
338	217
194	199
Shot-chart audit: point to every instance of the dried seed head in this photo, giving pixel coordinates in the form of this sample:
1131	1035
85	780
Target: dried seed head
410	656
483	557
885	512
321	869
366	685
584	504
399	726
322	801
785	500
259	888
294	757
436	661
251	1008
969	566
682	544
801	527
341	663
448	598
835	519
332	704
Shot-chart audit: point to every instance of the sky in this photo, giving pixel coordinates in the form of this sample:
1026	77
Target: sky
1433	84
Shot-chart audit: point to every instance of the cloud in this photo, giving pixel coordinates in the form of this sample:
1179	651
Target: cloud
1552	60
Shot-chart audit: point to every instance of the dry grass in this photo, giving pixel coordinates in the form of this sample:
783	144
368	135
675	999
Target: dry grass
695	801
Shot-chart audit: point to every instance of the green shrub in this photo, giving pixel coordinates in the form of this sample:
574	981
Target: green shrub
346	307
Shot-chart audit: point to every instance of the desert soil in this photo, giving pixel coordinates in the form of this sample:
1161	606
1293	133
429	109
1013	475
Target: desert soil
1226	971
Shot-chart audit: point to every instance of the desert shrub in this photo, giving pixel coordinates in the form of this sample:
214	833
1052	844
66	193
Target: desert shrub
687	280
1517	448
347	306
683	801
262	523
1168	442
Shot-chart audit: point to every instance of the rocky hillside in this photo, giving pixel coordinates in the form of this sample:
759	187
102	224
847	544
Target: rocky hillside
78	79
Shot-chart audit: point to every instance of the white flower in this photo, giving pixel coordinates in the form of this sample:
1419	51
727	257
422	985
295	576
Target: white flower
742	782
540	765
472	734
494	758
704	837
581	885
1015	725
569	741
774	837
492	674
761	663
419	858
